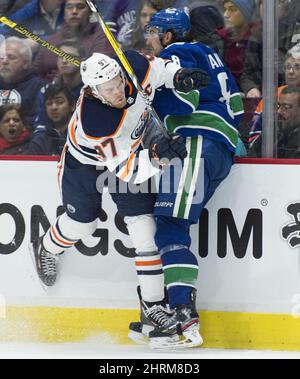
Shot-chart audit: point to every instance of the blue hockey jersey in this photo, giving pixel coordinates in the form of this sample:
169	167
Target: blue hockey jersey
217	109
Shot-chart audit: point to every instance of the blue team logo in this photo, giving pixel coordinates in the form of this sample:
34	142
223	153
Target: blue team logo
138	131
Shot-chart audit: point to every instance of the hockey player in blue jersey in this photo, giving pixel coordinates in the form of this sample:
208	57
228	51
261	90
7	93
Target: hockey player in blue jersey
211	138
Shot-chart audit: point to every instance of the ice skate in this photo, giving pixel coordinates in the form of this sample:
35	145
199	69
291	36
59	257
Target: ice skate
45	263
181	331
152	315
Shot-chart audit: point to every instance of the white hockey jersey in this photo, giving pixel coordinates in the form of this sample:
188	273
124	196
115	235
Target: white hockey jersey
104	136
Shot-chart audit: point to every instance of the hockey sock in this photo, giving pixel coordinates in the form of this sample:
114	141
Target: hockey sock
65	232
181	271
148	263
150	277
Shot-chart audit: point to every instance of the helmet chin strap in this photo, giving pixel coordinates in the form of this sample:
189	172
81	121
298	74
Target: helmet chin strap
101	98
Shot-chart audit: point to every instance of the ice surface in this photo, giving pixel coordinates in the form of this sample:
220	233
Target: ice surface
102	349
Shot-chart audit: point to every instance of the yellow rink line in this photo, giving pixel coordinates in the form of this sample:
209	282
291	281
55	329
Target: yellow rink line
219	329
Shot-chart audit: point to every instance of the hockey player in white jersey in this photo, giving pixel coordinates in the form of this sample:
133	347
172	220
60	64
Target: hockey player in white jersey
108	129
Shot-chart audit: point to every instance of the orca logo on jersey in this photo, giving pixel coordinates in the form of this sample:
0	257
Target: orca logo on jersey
290	232
71	208
138	131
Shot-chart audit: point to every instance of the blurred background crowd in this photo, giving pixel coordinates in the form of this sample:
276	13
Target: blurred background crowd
38	90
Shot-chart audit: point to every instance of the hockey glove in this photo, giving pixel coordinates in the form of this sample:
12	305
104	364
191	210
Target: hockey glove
188	79
164	149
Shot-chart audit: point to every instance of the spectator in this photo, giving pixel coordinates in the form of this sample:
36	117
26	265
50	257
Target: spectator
14	136
235	34
288	145
289	123
163	4
121	16
289	30
6	6
292	79
205	19
147	9
41	17
201	3
292	67
49	139
18	83
67	74
143	17
76	26
289	35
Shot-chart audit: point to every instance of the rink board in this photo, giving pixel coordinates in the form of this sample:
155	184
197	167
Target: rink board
249	279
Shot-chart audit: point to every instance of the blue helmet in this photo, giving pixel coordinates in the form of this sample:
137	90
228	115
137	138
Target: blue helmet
173	19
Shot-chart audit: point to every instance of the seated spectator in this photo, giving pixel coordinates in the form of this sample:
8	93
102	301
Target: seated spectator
49	139
163	4
14	136
18	83
288	32
68	74
137	39
236	34
41	17
146	10
122	16
288	138
288	36
6	7
292	67
292	79
76	26
192	4
205	19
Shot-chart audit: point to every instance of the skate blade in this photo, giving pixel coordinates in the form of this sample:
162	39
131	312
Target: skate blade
190	338
36	277
140	336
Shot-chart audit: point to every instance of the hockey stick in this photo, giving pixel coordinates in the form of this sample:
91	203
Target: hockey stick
126	64
20	29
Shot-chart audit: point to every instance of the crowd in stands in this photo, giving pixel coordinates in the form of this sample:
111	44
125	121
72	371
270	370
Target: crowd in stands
38	90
